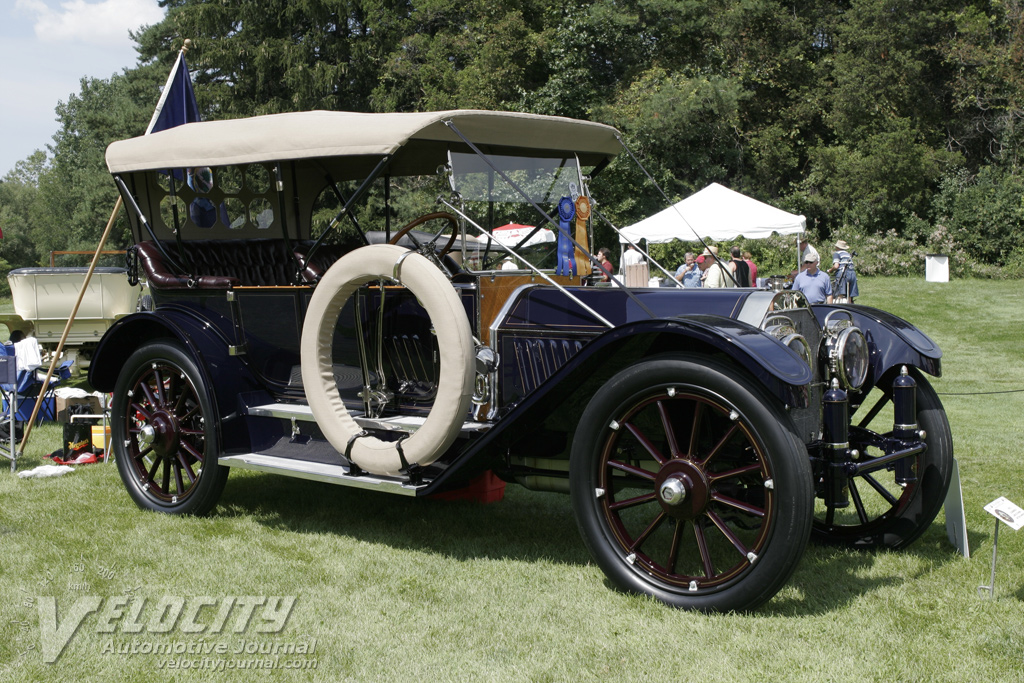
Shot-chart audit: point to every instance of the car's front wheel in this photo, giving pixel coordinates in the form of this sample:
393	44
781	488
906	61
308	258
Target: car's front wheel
690	485
887	510
164	433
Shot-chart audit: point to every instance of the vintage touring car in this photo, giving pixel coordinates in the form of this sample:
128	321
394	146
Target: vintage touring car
336	298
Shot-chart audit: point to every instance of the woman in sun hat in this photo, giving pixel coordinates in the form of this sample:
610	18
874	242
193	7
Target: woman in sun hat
846	276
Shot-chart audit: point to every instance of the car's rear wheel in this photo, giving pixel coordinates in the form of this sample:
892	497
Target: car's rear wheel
690	485
883	511
164	432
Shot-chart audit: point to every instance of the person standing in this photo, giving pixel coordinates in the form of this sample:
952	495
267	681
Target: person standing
632	256
715	272
846	276
740	268
749	258
806	250
815	284
689	273
604	264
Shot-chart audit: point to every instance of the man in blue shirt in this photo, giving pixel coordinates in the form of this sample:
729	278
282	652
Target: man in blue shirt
689	272
814	283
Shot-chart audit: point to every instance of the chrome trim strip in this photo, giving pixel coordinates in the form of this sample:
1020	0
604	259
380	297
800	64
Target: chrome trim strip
315	471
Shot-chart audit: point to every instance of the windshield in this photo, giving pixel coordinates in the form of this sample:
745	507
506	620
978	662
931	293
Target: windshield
503	196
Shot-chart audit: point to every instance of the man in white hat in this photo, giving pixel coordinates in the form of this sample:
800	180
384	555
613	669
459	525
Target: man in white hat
846	277
715	274
807	250
814	283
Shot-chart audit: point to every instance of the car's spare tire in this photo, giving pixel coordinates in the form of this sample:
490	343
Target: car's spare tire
455	342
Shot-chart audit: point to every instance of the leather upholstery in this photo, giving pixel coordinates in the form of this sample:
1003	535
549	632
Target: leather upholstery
219	264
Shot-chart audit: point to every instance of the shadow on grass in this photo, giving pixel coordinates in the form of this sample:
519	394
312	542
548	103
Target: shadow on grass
530	526
527	525
831	578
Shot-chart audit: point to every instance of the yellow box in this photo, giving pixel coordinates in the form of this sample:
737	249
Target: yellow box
99	439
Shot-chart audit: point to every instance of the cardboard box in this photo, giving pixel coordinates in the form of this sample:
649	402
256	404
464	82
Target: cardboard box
63	403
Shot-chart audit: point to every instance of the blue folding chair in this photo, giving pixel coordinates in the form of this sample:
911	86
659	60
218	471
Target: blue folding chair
19	397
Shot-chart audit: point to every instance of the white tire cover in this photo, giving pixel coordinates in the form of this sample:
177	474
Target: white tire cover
455	342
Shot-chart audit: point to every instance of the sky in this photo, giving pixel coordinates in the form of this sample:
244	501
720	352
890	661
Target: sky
46	48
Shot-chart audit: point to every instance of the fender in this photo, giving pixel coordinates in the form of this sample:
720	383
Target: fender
892	341
132	331
774	365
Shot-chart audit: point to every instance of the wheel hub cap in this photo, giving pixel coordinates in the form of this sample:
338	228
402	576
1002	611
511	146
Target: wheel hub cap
673	491
164	429
683	489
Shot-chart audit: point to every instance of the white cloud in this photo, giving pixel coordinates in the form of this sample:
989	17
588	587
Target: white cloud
98	23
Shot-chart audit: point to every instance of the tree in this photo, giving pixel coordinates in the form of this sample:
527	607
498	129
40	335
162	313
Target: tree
19	207
986	58
76	192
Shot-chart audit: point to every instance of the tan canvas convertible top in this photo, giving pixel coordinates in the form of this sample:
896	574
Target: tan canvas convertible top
318	134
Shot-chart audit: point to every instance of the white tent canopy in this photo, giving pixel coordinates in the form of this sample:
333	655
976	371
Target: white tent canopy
718	213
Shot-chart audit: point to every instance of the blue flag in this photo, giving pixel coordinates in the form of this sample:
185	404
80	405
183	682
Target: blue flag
177	103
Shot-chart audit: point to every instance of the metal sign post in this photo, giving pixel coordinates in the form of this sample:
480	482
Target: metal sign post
1012	516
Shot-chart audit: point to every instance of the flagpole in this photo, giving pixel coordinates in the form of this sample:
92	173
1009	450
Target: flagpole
88	274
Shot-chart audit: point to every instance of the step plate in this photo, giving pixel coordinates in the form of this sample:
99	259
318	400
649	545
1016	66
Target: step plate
315	471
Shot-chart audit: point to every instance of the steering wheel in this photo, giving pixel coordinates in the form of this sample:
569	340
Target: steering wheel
423	219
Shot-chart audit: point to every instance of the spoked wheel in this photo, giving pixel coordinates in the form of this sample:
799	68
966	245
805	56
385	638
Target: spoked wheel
163	432
883	511
691	487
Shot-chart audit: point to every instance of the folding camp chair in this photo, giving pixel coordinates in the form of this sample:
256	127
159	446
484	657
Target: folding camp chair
20	387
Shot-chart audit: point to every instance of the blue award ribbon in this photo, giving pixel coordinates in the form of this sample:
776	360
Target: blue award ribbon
566	260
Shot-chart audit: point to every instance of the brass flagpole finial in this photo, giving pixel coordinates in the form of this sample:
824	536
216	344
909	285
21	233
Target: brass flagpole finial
187	45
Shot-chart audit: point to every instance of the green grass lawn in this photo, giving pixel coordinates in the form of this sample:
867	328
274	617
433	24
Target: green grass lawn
419	590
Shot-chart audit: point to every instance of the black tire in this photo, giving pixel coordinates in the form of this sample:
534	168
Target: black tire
736	538
883	513
145	303
163	432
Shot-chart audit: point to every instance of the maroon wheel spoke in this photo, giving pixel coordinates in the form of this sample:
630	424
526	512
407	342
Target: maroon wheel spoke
141	410
630	502
734	473
631	469
670	432
673	552
889	498
698	413
720	445
705	553
739	505
166	487
651	528
159	382
185	466
192	450
153	469
646	443
179	483
727	532
190	413
147	391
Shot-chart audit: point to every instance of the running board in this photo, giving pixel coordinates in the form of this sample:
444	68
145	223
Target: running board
317	471
399	423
